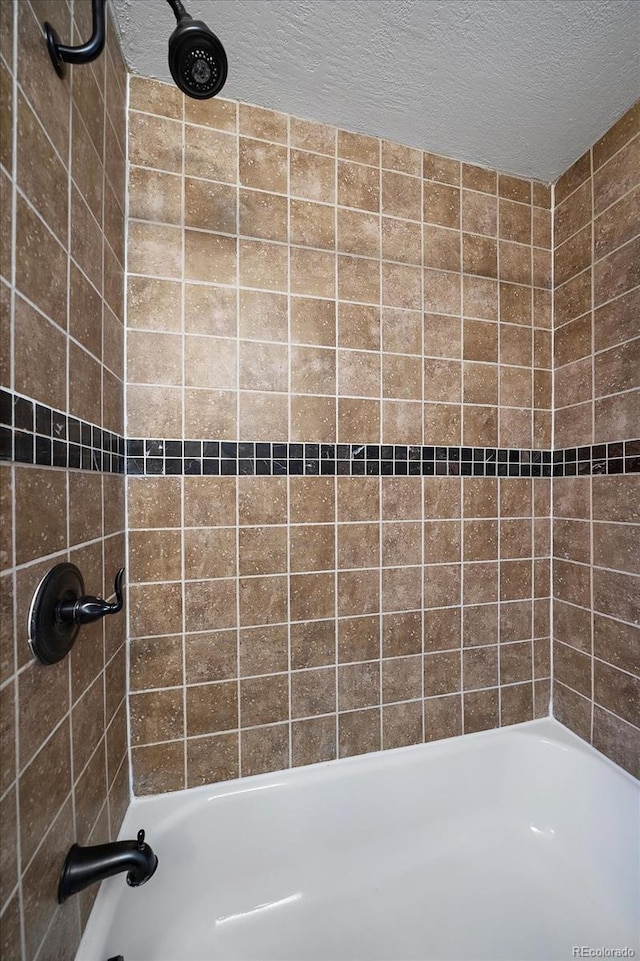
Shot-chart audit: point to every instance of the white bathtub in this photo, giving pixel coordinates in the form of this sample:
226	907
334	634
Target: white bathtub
511	844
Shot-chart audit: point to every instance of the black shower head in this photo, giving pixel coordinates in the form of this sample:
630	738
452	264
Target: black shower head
197	59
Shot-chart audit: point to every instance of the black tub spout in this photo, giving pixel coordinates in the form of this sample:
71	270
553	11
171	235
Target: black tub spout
89	865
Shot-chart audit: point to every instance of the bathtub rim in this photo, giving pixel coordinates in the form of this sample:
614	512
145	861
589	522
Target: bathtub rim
547	730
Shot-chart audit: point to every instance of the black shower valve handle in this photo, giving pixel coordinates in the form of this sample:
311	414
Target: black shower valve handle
85	609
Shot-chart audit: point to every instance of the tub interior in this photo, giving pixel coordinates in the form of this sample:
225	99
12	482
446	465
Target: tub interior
513	844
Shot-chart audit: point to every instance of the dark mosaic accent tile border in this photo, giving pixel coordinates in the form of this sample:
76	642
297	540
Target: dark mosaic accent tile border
622	457
152	456
32	433
149	456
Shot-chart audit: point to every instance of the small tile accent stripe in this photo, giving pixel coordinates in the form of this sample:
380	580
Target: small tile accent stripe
153	456
32	433
622	457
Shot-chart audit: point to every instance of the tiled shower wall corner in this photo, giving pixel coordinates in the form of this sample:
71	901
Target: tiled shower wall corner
290	282
63	734
294	284
596	534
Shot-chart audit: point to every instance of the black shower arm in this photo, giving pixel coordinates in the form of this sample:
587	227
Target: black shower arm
91	50
85	52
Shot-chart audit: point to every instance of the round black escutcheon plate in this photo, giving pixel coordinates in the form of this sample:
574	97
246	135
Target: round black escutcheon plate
50	639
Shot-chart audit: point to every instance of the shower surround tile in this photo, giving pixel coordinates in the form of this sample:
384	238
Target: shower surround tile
395	620
302	331
335	315
62	462
596	582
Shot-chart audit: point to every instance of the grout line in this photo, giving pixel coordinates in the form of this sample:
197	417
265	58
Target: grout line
381	431
12	343
237	483
336	535
594	658
44	132
593	431
581	273
107	590
499	416
463	369
607	303
596	170
346	396
534	562
350	617
368	707
600	707
63	331
125	359
183	403
289	434
322	668
223	285
424	485
58	725
74	784
56	555
335	249
591	221
353	570
552	488
67	248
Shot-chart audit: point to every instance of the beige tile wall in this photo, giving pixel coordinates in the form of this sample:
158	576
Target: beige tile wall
290	620
291	281
596	534
63	732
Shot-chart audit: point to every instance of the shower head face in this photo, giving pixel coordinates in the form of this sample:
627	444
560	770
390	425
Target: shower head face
197	60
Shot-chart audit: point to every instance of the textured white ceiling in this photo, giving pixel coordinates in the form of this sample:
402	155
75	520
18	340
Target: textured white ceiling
522	85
